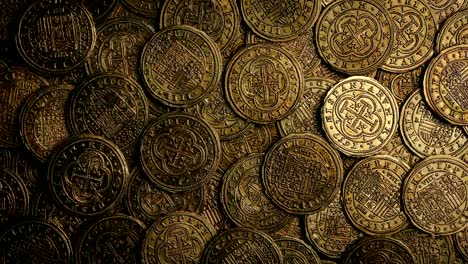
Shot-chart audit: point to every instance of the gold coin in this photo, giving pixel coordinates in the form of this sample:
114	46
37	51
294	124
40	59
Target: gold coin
297	251
425	134
371	195
397	149
263	83
181	65
444	85
302	173
323	70
461	239
212	209
401	84
292	229
280	20
359	116
415	31
453	32
443	9
370	250
306	117
355	36
435	194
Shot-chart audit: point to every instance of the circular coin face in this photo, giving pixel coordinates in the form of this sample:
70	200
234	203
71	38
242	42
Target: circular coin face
150	8
280	20
109	105
444	87
34	241
443	9
371	195
179	152
355	37
42	120
461	239
453	32
263	83
297	251
177	238
415	32
401	84
14	196
379	250
359	116
56	37
181	65
87	175
243	198
425	134
435	195
114	239
242	245
302	173
398	149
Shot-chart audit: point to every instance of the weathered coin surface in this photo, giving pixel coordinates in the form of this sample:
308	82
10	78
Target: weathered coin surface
302	173
212	209
371	195
444	85
42	120
306	117
330	231
243	198
428	249
397	148
415	32
109	105
17	162
435	195
296	251
118	47
461	241
100	9
443	9
56	36
359	116
292	229
87	175
401	84
114	239
355	37
34	241
179	237
263	83
453	32
280	21
242	245
180	66
426	134
379	250
179	152
14	196
148	203
150	8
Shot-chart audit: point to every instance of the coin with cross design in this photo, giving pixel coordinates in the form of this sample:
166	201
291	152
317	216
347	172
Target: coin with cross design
297	251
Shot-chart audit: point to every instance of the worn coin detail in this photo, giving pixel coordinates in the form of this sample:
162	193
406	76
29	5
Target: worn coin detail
296	251
453	32
397	148
150	8
443	9
461	241
401	84
14	196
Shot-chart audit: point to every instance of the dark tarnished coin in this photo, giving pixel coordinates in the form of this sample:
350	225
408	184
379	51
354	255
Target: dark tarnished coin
359	116
114	239
42	120
179	237
330	231
425	134
212	209
244	200
296	251
263	83
109	105
280	20
220	19
371	195
100	9
435	195
428	249
444	85
16	85
181	65
14	196
9	12
56	36
179	152
149	8
306	117
443	9
401	84
453	32
370	250
149	203
327	261
34	241
87	175
302	173
355	36
415	32
242	245
119	44
461	240
15	161
292	229
398	149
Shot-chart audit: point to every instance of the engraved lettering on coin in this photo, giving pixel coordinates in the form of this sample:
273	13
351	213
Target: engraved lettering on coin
454	32
379	250
443	9
297	251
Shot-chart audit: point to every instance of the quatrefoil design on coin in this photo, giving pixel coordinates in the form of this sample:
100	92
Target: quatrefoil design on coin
202	14
179	246
180	151
408	25
120	54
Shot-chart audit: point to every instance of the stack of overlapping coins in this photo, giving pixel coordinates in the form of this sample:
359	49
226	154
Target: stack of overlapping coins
234	131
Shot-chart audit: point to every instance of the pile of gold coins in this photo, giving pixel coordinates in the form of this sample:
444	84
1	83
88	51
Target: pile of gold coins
234	131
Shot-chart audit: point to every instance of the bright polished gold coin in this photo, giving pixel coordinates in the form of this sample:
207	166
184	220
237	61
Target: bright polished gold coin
263	83
443	9
397	148
359	116
453	32
355	36
435	195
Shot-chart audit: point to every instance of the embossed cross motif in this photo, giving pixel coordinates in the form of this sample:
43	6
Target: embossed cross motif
181	248
358	116
406	31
